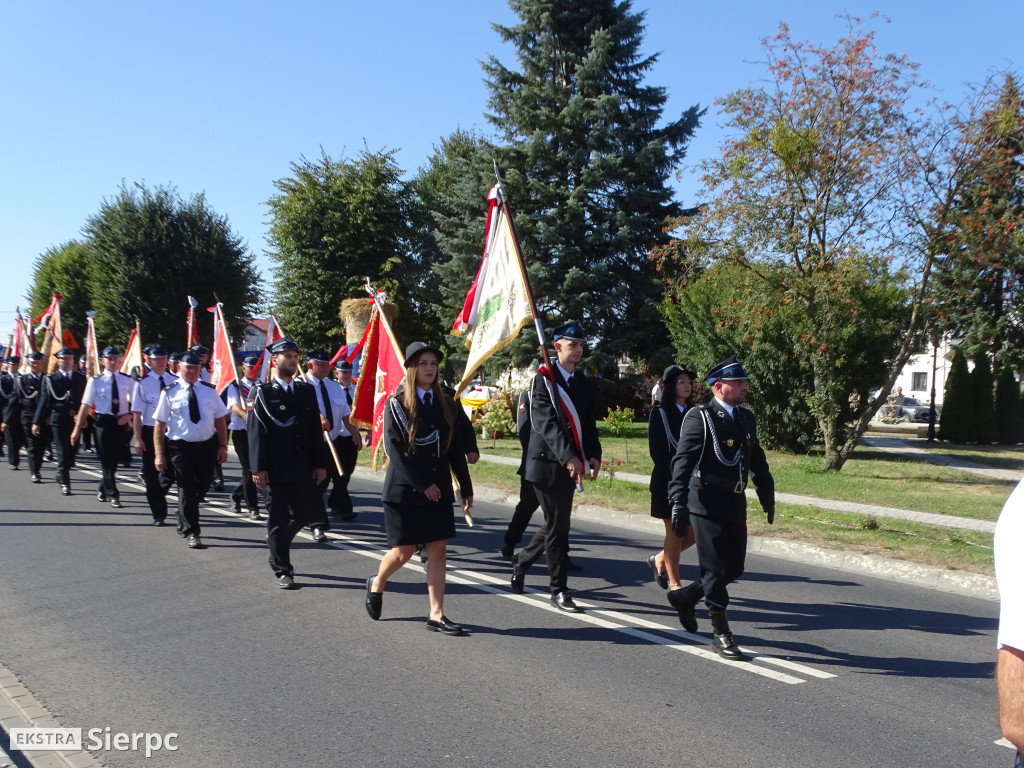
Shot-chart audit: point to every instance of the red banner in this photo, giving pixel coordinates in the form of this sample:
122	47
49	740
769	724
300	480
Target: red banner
380	374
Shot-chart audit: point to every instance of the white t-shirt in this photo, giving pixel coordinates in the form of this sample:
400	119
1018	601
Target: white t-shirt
1008	543
656	393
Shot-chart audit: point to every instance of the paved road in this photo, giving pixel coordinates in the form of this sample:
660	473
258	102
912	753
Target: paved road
109	621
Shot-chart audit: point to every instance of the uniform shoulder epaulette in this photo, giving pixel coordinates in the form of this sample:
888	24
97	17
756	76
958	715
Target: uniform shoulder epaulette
207	384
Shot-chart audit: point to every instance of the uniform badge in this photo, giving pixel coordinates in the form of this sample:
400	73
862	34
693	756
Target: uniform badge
729	443
280	407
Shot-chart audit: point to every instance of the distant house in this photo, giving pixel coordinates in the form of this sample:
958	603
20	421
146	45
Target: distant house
929	361
255	335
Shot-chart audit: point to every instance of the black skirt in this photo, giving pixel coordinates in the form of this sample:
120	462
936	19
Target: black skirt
418	523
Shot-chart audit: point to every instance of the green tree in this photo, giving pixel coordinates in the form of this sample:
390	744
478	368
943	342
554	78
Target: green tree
151	251
982	390
832	192
1009	408
957	423
587	160
333	224
65	269
980	275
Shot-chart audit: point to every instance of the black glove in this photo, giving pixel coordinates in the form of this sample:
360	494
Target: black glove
771	515
680	516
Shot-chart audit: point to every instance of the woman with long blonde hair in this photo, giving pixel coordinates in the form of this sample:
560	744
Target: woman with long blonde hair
424	449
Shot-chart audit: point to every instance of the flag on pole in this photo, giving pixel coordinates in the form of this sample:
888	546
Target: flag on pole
92	353
193	333
222	358
382	371
54	333
263	365
23	341
67	339
133	352
497	305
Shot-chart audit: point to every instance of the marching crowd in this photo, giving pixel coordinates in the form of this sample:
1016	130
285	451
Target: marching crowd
293	438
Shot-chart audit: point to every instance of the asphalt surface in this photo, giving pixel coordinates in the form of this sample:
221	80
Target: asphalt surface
110	622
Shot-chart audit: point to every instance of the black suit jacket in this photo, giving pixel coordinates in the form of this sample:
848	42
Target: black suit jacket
661	447
410	474
550	446
53	405
701	478
25	399
285	438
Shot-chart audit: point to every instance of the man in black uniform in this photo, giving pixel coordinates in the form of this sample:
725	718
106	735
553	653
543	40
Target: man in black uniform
287	454
718	449
58	405
12	434
555	461
21	408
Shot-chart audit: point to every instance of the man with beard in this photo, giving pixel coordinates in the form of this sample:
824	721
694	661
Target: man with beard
287	454
58	405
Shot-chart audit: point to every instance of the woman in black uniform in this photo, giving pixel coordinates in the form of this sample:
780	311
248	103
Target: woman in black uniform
424	449
662	437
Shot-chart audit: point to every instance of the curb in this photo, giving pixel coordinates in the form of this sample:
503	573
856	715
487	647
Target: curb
927	576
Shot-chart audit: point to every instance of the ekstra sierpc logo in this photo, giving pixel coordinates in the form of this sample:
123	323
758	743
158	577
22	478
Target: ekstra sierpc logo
96	740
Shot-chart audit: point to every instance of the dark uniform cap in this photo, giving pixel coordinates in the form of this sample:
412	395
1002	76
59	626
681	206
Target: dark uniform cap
34	356
174	357
111	352
283	345
572	331
251	360
64	352
12	360
343	365
419	346
156	350
320	354
191	358
673	371
730	369
199	349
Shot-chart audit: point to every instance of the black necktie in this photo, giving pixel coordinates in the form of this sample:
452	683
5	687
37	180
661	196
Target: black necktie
348	397
568	382
328	411
163	386
426	399
193	405
115	400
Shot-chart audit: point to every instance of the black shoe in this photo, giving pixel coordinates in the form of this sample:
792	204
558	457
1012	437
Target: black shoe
218	487
348	516
680	600
101	497
194	542
116	503
444	626
254	514
518	576
159	523
563	601
571	566
507	551
722	642
374	600
660	578
65	490
318	534
286	581
140	478
15	467
37	478
421	552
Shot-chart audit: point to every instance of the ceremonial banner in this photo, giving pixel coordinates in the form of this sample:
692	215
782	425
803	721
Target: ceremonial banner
23	342
382	371
193	333
498	304
265	363
133	353
50	321
92	353
222	358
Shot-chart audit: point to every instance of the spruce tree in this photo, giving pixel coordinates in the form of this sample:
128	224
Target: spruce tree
957	422
982	388
1009	408
587	160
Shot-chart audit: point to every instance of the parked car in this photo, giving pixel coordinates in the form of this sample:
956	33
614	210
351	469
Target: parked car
914	410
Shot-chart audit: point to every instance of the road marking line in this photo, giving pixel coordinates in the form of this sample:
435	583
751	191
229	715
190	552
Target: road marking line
596	616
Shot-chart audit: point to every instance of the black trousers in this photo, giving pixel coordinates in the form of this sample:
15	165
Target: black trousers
721	554
339	501
245	491
552	538
88	433
34	444
193	472
15	439
292	506
157	483
109	440
528	504
63	451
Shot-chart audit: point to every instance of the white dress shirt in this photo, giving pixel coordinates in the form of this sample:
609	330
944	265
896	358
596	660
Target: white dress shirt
98	392
172	410
146	395
339	405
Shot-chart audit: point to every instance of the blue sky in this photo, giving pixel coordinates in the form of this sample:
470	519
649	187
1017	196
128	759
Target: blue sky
220	97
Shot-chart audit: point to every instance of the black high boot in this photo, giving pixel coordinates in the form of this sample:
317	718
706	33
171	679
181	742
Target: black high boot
723	643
